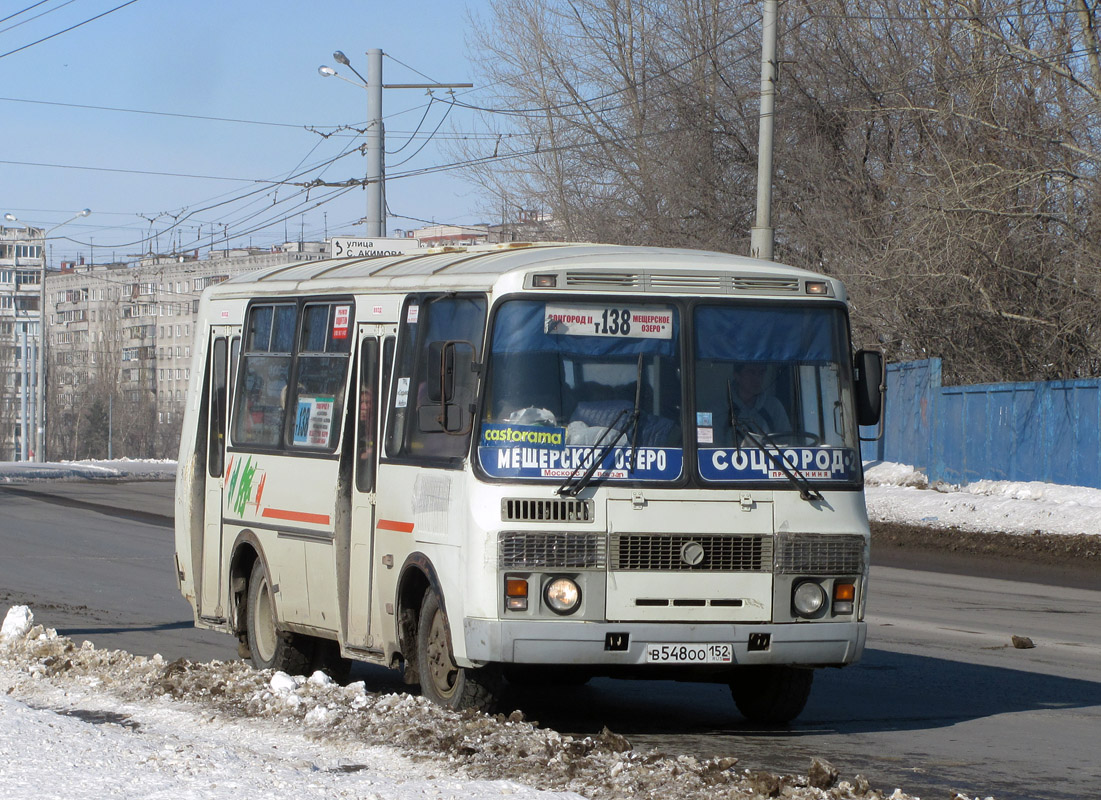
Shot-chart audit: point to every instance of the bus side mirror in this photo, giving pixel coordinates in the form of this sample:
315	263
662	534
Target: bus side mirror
868	371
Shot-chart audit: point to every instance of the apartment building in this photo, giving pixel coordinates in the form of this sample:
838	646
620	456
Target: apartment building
119	347
21	250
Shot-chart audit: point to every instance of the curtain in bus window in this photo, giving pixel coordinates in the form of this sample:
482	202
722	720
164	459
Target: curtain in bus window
521	327
726	333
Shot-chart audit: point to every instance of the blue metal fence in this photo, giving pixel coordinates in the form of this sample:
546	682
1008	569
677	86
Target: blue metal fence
1048	431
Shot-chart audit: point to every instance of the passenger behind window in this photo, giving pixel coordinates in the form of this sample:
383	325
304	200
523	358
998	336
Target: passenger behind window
262	422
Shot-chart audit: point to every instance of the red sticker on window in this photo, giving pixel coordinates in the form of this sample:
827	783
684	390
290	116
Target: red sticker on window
341	316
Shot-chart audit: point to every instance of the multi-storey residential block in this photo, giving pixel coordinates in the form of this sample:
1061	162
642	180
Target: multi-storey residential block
119	346
21	251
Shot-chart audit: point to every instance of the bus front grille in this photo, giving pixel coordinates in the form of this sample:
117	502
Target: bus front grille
813	554
765	285
519	509
701	552
539	550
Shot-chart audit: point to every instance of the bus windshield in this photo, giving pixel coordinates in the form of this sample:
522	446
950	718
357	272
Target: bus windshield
579	390
570	381
773	379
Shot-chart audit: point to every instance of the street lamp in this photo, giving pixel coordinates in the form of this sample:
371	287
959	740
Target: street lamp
376	216
40	387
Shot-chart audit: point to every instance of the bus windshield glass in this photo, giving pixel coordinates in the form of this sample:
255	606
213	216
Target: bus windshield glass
580	391
572	382
773	382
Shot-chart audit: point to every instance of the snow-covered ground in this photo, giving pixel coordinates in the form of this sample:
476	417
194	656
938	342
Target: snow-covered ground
124	468
898	493
76	722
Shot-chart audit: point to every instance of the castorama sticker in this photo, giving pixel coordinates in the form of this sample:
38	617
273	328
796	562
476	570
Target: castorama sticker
535	451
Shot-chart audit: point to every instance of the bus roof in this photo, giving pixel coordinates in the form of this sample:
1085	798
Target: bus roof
586	266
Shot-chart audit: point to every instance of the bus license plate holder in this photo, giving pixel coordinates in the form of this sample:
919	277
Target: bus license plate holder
690	653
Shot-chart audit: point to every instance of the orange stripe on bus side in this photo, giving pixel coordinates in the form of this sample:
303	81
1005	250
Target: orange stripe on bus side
295	516
394	525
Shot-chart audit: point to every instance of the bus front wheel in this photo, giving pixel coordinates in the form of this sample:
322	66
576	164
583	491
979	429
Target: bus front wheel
769	694
270	647
442	681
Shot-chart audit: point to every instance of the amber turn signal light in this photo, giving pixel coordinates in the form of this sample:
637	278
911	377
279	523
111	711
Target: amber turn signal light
516	594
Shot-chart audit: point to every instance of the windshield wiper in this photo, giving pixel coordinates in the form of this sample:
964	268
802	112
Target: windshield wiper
570	489
636	415
765	442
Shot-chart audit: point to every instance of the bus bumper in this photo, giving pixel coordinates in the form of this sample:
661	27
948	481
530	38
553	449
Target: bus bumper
624	644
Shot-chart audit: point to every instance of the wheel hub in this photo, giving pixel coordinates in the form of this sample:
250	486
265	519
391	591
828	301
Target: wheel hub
442	671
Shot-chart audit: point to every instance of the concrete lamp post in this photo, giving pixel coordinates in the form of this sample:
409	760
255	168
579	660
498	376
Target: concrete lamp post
374	183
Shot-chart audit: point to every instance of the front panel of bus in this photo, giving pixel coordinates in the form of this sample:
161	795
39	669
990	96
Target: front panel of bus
667	481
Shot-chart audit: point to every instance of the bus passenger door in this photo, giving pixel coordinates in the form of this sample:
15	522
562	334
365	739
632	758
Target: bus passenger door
221	360
376	355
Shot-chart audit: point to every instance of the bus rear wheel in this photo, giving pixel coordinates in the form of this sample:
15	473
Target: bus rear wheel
769	694
270	648
442	680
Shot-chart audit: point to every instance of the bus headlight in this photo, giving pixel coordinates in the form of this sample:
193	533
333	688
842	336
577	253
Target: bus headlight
808	599
562	596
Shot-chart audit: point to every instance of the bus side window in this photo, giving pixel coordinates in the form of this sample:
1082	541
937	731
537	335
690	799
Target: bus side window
218	410
428	322
316	400
259	408
366	444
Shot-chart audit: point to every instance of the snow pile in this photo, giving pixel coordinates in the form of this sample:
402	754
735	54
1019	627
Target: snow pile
123	468
17	622
210	730
898	493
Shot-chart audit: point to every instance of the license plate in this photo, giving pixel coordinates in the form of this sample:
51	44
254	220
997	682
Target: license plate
678	653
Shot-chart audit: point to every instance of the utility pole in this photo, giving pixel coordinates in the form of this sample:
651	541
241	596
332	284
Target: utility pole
40	405
376	208
23	394
761	238
376	134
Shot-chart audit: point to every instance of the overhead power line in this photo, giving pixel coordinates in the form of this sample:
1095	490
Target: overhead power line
66	30
23	11
137	172
164	113
31	19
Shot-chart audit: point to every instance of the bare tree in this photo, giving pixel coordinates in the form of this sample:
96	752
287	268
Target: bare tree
620	118
948	172
940	156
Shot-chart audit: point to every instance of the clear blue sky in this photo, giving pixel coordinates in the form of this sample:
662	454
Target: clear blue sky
251	60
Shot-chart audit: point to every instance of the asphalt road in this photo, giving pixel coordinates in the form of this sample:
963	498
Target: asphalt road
942	701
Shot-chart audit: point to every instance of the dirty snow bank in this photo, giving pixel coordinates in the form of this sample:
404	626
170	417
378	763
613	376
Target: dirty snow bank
106	723
115	469
902	494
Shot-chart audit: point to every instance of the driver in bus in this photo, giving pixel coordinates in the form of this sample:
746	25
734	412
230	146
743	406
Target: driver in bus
754	403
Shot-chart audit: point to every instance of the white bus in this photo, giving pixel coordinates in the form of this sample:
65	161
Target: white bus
533	463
